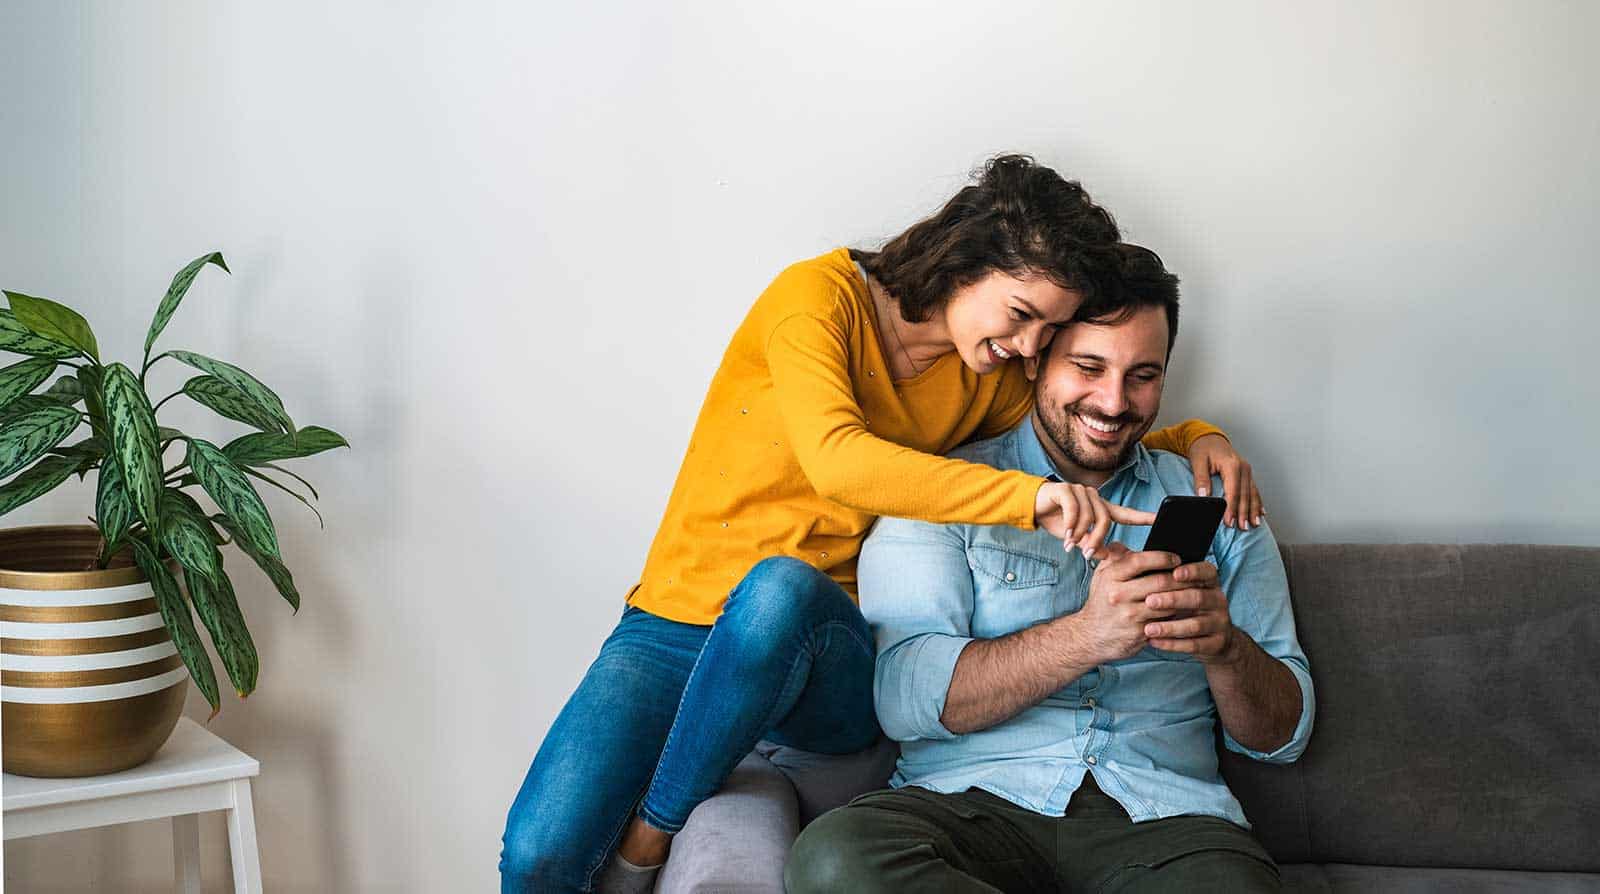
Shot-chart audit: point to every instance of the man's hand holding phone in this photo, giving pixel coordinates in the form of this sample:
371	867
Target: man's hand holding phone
1134	592
1200	624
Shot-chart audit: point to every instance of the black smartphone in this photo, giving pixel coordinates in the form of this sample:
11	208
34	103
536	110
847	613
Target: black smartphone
1186	526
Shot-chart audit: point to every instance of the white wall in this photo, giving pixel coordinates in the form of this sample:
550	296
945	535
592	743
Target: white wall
501	247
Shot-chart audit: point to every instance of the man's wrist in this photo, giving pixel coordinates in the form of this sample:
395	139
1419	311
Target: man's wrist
1233	651
1071	646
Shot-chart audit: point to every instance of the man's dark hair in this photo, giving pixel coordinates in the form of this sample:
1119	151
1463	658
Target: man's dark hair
1130	278
1020	218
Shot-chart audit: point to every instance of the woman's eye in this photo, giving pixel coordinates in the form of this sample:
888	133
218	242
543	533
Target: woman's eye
1018	315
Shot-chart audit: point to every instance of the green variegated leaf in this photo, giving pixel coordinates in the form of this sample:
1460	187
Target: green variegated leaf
19	339
188	540
180	624
66	389
197	512
133	437
20	378
275	570
226	400
113	509
175	293
35	482
260	448
54	321
218	608
241	380
26	404
234	494
31	435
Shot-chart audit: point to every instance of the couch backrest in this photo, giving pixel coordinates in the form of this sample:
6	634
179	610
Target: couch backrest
1458	719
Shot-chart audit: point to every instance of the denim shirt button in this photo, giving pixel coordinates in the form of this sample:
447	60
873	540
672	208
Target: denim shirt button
1091	760
1088	702
1011	576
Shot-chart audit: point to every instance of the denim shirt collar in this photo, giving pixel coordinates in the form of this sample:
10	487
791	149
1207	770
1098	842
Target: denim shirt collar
1027	453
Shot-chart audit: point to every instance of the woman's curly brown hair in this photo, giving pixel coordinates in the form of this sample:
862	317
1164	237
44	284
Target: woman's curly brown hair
1019	217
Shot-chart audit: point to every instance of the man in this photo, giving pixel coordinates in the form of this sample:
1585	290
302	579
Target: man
1056	714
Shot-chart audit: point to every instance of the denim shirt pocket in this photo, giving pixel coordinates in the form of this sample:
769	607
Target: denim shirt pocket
1013	589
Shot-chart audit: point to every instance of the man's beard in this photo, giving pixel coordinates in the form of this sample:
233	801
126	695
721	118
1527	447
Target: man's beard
1087	454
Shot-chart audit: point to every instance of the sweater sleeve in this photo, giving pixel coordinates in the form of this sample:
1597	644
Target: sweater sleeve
808	356
1180	437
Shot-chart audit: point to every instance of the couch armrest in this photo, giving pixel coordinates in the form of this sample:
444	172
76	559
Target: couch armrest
738	839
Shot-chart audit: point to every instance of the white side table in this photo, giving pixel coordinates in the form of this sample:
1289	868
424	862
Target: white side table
194	772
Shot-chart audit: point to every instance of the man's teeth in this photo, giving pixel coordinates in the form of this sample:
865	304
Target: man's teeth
1000	352
1097	425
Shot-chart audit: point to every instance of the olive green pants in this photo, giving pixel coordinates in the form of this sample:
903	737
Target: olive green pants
911	840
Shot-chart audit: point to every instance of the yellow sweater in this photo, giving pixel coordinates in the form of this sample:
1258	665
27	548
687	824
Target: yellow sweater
805	439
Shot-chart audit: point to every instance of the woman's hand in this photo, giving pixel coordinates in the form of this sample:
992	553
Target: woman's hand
1080	517
1212	454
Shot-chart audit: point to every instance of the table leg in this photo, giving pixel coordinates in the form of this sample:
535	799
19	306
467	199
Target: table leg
186	852
242	841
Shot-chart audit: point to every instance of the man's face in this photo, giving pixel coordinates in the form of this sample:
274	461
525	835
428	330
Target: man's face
1101	387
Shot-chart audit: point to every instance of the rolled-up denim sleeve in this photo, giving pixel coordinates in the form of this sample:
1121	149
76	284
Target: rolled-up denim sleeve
916	592
1253	576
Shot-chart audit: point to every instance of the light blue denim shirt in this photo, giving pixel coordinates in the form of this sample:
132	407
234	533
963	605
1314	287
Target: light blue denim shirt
1144	726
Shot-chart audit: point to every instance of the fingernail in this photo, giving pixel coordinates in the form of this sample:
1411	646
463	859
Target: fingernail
1155	601
1151	630
1203	491
1258	521
1088	554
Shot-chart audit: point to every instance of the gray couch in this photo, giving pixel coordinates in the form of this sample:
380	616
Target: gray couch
1457	745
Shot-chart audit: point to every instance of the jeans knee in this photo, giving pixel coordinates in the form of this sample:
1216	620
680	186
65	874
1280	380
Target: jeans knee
530	861
779	595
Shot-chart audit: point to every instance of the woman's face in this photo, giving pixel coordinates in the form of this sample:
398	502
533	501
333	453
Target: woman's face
1001	317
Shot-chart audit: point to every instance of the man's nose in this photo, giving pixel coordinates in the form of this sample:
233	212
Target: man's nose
1110	398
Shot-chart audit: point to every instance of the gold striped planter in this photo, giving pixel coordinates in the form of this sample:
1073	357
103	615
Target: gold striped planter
89	679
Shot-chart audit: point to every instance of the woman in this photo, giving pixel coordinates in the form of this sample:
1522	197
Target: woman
846	382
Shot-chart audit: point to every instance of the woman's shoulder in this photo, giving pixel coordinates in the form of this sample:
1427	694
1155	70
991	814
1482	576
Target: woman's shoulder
827	286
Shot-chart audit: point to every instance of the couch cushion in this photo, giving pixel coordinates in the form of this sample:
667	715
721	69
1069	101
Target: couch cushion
1458	695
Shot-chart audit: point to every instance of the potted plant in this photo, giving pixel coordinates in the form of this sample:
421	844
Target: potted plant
98	637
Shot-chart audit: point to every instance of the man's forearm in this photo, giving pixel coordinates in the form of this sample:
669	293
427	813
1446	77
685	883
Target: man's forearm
997	679
1258	699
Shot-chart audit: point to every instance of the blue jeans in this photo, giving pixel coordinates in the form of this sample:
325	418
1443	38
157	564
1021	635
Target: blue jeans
668	709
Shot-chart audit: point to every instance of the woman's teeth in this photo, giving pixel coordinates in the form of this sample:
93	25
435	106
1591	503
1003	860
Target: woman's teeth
1000	352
